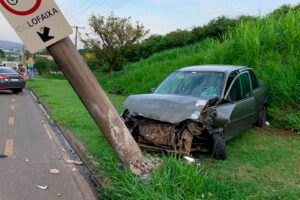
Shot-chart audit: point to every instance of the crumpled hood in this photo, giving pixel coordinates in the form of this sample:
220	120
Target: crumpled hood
167	108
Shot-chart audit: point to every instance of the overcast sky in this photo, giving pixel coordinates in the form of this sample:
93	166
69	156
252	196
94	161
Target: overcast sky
160	16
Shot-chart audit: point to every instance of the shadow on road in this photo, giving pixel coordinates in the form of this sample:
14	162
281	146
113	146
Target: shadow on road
6	92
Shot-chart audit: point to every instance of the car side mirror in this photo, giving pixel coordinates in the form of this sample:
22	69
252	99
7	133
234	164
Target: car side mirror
228	99
152	90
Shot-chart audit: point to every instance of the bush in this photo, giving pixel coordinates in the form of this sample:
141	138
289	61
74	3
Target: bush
45	66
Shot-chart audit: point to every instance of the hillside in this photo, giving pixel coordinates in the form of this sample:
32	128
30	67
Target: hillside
7	45
270	45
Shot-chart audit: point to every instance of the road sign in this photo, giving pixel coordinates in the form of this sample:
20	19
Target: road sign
39	23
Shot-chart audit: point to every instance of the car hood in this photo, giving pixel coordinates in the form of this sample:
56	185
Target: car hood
167	108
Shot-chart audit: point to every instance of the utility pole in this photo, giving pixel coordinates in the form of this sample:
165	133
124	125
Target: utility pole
99	106
76	33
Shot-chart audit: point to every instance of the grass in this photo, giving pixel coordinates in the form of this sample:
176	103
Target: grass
262	164
270	45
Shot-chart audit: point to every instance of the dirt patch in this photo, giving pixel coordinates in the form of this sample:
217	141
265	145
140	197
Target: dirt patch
277	132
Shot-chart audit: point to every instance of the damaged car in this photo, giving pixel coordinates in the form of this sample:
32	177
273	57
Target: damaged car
197	108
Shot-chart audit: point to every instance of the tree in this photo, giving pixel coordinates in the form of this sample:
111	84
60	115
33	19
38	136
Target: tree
112	37
2	54
44	66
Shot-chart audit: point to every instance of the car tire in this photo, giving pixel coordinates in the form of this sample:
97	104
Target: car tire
16	91
219	147
262	118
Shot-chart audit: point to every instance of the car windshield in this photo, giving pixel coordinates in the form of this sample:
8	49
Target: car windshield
205	85
7	71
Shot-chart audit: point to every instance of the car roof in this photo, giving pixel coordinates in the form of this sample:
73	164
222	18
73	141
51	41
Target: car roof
214	68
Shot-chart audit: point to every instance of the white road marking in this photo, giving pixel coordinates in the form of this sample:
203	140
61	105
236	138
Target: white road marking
48	132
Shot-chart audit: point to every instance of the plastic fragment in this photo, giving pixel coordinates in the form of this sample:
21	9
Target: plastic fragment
54	171
73	162
43	187
189	159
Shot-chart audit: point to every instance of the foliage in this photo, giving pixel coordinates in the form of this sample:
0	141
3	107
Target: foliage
45	66
10	58
2	54
92	59
112	37
179	38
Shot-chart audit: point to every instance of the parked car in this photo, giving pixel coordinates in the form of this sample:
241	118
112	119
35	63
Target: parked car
11	80
197	108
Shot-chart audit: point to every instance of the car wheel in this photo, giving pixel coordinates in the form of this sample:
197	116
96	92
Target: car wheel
219	147
15	91
262	118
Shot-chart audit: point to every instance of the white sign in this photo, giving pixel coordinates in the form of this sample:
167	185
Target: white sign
39	23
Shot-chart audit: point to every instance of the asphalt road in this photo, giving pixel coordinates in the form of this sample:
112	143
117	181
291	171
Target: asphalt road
33	150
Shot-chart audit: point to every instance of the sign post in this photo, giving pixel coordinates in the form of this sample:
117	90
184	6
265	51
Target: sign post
40	24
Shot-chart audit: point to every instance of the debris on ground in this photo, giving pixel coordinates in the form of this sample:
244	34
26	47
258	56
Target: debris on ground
76	162
43	187
59	195
190	160
147	166
26	160
54	171
73	169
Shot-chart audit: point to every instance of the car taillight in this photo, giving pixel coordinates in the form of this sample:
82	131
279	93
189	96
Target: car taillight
4	77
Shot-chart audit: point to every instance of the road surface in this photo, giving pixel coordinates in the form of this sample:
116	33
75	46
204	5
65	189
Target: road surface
33	150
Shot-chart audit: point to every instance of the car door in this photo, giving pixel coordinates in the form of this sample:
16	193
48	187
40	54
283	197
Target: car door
243	115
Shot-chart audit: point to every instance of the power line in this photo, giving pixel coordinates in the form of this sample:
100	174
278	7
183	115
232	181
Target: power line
89	9
77	12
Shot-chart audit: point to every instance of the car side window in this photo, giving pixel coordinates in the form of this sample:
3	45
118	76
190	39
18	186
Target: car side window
253	80
229	80
240	88
235	92
246	87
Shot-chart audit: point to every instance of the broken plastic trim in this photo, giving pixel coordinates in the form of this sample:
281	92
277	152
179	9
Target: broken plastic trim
185	137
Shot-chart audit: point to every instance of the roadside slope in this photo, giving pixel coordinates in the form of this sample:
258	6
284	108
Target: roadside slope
270	45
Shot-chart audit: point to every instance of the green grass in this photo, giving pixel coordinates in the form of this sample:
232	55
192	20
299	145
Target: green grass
262	164
270	45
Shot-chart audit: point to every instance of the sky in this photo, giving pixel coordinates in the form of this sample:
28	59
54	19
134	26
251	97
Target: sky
159	16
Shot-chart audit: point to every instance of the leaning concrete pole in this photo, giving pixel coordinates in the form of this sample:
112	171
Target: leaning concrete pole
99	106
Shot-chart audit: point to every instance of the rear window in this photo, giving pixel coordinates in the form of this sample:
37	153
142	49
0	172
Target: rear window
7	71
